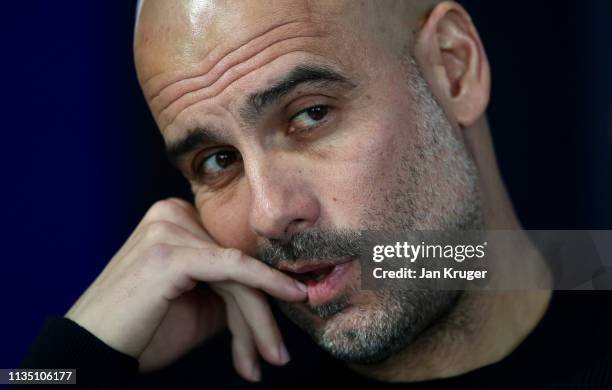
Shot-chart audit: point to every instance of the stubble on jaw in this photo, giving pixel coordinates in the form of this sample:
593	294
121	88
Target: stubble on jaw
434	188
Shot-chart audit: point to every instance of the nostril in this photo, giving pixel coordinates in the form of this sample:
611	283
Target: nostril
295	226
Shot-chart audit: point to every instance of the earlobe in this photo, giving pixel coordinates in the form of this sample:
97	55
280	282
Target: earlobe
451	55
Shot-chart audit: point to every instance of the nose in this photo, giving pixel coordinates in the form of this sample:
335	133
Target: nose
282	199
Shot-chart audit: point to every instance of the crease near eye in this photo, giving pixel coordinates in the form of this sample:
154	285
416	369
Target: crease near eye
221	163
309	118
217	162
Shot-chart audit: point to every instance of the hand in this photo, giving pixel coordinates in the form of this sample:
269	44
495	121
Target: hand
144	302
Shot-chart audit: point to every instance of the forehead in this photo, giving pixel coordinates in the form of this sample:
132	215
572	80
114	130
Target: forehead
182	35
191	51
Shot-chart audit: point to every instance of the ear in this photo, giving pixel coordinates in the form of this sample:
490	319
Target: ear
454	62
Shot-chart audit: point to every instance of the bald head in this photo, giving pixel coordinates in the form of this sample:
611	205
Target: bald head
185	33
277	111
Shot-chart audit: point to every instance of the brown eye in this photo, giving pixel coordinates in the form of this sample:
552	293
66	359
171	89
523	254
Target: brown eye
219	161
317	113
308	118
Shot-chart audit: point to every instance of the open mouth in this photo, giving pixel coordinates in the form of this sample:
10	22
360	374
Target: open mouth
325	280
313	276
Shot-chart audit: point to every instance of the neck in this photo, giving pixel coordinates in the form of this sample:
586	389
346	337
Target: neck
484	326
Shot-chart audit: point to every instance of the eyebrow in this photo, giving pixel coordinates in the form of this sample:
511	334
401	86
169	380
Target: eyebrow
191	142
300	75
256	104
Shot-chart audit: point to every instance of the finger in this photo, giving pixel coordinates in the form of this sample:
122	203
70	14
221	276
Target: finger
216	264
256	311
171	210
194	216
160	232
178	212
166	232
244	354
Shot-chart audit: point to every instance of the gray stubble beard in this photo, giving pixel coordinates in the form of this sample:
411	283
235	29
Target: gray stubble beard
397	317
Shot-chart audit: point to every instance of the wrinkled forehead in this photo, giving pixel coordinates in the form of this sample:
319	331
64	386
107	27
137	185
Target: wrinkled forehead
180	34
214	53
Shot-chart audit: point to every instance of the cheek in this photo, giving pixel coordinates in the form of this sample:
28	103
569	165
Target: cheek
359	171
375	156
225	219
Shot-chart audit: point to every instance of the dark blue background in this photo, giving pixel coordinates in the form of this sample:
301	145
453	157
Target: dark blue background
82	161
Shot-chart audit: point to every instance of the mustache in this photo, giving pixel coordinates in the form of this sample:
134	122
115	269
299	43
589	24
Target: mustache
311	245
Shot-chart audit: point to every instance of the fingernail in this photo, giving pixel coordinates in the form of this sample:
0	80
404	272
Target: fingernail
283	354
301	286
256	372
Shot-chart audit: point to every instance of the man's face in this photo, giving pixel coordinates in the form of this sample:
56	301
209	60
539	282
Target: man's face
298	127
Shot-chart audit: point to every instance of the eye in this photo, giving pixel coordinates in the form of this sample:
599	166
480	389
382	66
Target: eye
308	119
218	162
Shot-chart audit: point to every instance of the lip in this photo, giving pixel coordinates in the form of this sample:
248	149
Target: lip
332	284
303	268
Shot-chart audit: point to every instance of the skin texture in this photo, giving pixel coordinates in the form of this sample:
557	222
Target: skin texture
404	144
430	184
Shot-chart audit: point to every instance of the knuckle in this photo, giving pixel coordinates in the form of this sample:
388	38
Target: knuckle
182	203
163	208
159	230
235	257
158	255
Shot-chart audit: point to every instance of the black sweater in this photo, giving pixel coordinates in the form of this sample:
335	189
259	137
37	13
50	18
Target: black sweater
569	349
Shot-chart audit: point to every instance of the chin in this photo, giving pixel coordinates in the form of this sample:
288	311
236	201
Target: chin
367	327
